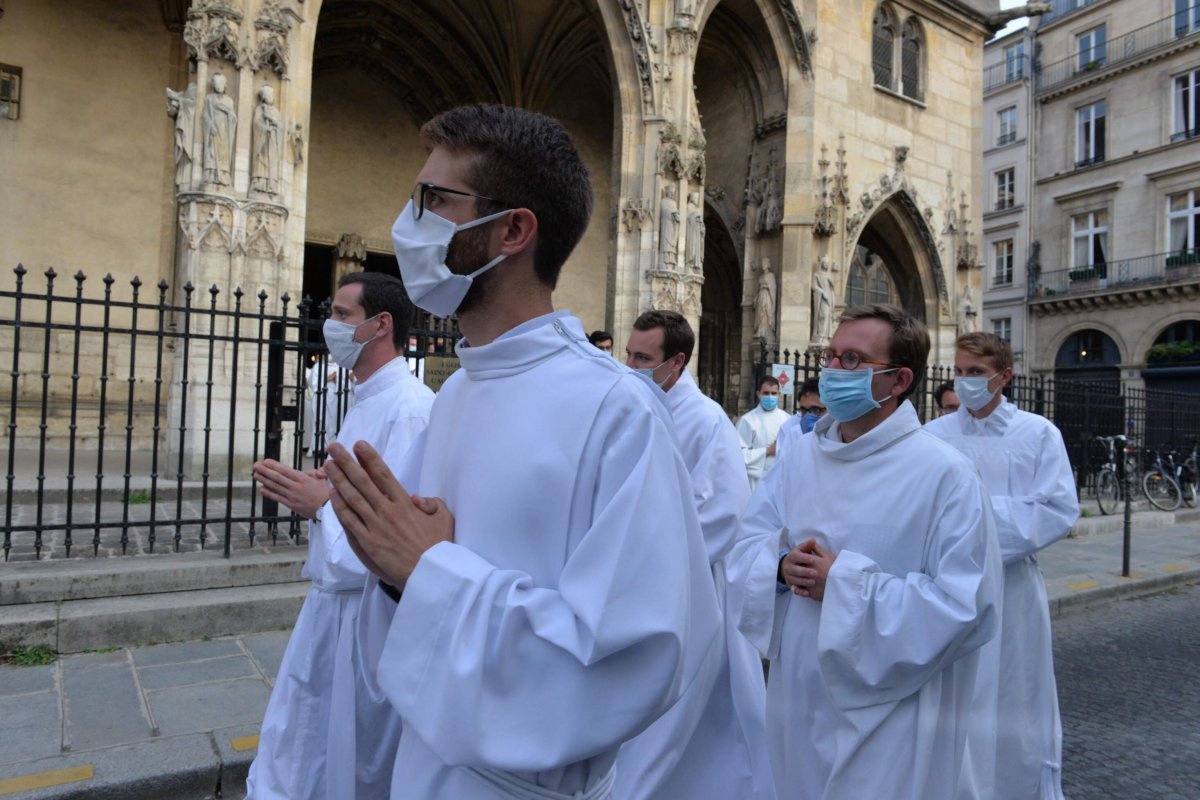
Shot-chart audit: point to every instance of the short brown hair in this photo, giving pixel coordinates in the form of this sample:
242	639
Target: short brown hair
522	160
383	292
909	345
678	336
987	345
767	380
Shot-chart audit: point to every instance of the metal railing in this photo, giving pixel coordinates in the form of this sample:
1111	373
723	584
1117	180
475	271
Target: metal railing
1149	270
183	389
1062	8
1005	72
1080	409
1122	48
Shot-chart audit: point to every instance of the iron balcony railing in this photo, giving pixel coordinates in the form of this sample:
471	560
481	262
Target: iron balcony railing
1006	72
1122	48
1150	270
1061	8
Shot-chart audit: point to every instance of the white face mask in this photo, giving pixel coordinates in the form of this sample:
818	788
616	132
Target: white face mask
421	246
649	373
339	338
973	392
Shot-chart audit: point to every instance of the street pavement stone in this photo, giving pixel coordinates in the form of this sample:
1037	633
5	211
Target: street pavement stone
22	680
1129	697
206	671
103	704
267	650
205	706
30	728
181	652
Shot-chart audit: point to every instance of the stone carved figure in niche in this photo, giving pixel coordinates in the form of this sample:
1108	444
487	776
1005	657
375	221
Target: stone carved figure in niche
694	239
297	138
968	312
267	144
764	303
823	295
770	214
220	126
668	230
181	107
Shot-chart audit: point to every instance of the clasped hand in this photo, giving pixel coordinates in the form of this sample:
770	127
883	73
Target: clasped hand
388	529
805	569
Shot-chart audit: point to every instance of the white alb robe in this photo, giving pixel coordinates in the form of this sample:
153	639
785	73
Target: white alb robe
575	604
1024	465
757	430
320	721
714	747
870	691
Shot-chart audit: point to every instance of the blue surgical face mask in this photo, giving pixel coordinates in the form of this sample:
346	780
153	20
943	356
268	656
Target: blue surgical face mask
339	338
846	393
809	421
973	392
649	373
769	402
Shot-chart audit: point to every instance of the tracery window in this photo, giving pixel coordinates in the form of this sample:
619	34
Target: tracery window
883	46
869	280
898	69
910	59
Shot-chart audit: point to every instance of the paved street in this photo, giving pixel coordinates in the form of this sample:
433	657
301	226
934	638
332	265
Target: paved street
1130	698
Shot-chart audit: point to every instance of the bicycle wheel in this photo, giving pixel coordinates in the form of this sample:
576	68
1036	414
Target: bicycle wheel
1187	486
1161	490
1108	492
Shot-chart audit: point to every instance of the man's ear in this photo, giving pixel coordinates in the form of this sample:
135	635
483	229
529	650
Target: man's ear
904	379
518	231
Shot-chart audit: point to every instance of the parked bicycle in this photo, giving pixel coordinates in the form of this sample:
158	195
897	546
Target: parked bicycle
1160	486
1108	480
1186	475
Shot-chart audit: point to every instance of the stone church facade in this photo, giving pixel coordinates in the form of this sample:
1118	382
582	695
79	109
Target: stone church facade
758	164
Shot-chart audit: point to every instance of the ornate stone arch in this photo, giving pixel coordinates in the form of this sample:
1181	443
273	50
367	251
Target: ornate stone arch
897	217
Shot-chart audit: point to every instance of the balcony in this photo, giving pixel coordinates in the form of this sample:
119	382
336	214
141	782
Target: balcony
1119	50
1117	282
1005	72
1061	8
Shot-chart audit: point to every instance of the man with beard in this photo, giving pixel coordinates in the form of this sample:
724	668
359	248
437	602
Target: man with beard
544	594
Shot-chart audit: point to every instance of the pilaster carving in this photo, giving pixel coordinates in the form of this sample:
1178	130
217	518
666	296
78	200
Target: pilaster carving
800	40
682	39
639	38
696	167
211	223
271	34
635	213
670	154
690	305
664	287
825	216
212	31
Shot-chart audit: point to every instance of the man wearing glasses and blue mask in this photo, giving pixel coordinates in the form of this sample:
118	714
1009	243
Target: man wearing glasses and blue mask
542	591
1024	464
872	577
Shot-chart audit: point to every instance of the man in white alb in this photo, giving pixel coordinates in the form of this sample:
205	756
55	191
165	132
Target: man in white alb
711	746
544	595
322	736
1024	465
759	428
872	578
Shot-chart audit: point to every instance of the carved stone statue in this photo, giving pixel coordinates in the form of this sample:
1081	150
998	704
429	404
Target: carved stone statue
220	126
181	107
822	301
968	312
770	213
267	144
694	240
764	303
668	230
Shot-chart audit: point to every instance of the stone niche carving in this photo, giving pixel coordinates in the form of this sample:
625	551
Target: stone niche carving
696	169
220	129
823	296
668	230
271	30
211	31
214	224
968	311
670	155
694	237
635	214
267	145
665	294
764	301
181	107
769	218
691	306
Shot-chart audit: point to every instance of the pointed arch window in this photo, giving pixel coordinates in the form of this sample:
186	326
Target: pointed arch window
869	280
883	47
911	47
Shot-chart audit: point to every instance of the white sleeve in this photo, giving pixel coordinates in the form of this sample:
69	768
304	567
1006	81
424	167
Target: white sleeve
1028	523
882	637
493	671
754	457
721	490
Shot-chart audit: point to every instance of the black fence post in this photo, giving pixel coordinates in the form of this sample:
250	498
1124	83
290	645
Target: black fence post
12	412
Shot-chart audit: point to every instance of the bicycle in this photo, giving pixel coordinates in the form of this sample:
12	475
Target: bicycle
1160	488
1108	481
1186	476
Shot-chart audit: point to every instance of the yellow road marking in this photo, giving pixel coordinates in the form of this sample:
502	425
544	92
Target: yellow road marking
1134	575
243	743
40	780
1079	587
1174	567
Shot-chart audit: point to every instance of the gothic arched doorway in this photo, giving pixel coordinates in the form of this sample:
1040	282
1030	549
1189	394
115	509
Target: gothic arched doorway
885	266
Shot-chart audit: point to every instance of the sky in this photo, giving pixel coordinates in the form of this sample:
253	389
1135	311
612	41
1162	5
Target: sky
1015	24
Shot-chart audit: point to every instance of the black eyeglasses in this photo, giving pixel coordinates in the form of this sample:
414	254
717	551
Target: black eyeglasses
850	359
422	192
818	410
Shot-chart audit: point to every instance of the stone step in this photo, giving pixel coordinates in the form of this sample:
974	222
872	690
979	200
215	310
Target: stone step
69	580
1141	521
76	626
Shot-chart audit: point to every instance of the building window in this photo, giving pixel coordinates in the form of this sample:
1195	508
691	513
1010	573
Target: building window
1187	17
1003	328
1089	134
10	92
1183	223
1186	106
1006	189
869	280
1002	263
883	46
1006	125
910	59
1014	62
1093	48
1089	240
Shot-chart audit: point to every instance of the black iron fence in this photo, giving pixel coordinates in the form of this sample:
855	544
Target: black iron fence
1082	410
135	412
